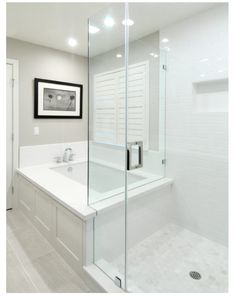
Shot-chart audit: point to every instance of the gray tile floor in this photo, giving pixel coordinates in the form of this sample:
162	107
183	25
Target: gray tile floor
33	265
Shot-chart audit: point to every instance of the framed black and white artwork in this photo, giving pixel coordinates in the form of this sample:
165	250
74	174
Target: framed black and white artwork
54	99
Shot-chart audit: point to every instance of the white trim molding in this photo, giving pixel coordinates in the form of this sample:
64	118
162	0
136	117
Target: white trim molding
15	119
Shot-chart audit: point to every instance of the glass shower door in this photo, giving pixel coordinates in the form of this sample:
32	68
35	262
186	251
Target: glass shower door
142	206
126	137
107	150
146	74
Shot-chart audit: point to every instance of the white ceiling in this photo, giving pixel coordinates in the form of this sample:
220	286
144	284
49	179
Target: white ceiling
51	24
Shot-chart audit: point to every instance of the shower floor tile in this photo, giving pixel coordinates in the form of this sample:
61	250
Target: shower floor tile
162	262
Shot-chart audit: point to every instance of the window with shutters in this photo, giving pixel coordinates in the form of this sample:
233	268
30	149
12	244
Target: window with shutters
109	105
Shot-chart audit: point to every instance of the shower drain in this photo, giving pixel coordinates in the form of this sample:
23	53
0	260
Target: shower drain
195	275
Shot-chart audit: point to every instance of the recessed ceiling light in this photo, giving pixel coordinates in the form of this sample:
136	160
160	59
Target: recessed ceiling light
128	22
109	22
72	42
153	55
93	29
118	55
165	40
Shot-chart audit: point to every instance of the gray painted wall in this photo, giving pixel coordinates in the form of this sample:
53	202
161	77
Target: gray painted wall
139	50
47	63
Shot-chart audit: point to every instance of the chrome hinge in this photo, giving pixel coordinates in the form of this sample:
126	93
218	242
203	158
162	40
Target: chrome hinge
164	67
163	161
117	281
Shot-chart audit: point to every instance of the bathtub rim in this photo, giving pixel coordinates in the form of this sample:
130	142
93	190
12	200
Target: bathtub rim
85	211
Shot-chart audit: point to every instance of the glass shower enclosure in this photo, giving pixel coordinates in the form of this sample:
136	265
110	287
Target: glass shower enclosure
126	134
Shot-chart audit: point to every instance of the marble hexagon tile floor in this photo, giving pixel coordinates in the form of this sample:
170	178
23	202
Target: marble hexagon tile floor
162	262
33	265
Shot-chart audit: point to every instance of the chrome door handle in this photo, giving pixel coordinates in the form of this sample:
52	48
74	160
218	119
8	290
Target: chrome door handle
130	166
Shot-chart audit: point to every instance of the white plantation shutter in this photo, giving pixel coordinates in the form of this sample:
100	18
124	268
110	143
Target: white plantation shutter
105	108
109	105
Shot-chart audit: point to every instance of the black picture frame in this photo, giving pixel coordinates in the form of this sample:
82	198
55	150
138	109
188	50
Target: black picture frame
38	81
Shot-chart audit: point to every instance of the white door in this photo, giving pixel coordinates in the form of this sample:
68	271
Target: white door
9	135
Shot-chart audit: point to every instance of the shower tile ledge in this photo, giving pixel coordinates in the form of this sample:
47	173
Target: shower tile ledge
103	281
64	190
133	194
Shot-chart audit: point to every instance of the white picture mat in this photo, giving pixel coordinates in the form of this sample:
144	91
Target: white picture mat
42	112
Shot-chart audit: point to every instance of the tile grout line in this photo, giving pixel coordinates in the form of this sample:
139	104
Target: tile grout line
52	249
23	267
28	262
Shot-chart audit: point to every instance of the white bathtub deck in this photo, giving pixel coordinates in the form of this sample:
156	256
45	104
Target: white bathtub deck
66	191
73	195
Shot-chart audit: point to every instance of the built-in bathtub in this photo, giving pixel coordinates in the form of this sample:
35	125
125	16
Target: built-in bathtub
55	198
99	176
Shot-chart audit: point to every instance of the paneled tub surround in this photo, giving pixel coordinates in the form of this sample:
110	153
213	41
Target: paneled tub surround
54	196
55	204
36	164
65	191
66	182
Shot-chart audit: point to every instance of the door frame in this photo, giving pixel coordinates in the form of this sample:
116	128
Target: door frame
15	124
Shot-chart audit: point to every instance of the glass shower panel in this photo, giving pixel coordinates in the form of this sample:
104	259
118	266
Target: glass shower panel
145	104
145	148
139	240
106	167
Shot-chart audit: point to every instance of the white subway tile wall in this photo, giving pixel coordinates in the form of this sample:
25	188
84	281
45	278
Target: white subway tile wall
197	140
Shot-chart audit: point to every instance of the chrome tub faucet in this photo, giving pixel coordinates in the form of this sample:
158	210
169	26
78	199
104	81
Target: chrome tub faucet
68	155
